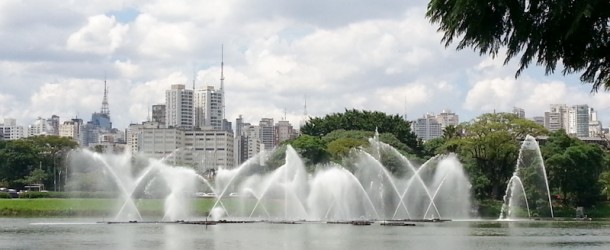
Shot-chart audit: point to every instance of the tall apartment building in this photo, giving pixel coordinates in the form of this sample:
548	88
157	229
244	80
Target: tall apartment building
72	129
267	133
54	125
252	139
431	126
179	111
578	120
595	126
447	118
556	118
10	130
209	108
284	132
427	127
39	127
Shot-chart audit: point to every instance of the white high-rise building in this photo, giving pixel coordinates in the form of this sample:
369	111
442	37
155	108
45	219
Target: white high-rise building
10	130
209	108
179	109
447	118
556	118
39	127
427	127
578	120
595	126
72	129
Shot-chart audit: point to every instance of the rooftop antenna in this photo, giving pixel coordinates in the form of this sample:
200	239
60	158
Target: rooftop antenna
149	114
194	77
222	79
405	114
105	109
285	113
305	107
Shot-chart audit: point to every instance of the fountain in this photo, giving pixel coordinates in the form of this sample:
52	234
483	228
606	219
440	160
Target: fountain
375	183
438	189
528	188
132	180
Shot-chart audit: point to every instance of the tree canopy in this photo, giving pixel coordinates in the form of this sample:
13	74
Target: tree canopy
33	159
575	34
488	146
365	121
574	168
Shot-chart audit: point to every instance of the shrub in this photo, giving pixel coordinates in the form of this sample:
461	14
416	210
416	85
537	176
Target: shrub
35	195
4	195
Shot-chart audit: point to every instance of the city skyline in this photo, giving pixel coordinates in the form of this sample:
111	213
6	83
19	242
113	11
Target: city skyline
369	56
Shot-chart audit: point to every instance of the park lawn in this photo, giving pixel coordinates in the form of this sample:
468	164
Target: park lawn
88	207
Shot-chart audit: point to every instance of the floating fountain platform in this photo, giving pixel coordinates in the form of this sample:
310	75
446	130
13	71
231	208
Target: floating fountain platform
202	222
396	223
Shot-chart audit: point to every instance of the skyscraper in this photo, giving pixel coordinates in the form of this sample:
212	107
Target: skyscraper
209	110
179	110
578	117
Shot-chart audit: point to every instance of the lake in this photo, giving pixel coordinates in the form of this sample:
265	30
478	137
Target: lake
58	233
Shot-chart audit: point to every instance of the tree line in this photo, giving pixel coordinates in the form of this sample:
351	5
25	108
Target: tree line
34	160
487	146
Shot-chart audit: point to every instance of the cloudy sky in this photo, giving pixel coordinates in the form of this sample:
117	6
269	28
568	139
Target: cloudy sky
374	55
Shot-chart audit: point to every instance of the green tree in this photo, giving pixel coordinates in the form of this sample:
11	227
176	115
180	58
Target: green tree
365	121
491	145
37	176
604	180
18	158
575	168
575	34
312	148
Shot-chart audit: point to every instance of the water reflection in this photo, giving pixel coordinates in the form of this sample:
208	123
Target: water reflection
70	234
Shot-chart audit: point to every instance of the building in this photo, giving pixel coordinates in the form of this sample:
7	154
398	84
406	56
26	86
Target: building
39	127
578	120
556	118
519	112
427	127
539	120
99	124
267	133
10	130
202	149
209	108
179	110
72	129
158	113
284	132
447	118
595	126
54	125
208	149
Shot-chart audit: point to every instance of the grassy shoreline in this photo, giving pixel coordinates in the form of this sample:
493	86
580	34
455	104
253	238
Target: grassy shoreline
107	207
83	207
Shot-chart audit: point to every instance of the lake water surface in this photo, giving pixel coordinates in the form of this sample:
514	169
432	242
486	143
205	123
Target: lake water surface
42	233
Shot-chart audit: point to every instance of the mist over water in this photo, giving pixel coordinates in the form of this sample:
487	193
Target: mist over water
364	188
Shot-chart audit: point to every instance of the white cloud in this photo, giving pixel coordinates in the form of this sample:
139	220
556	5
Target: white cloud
275	53
101	35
